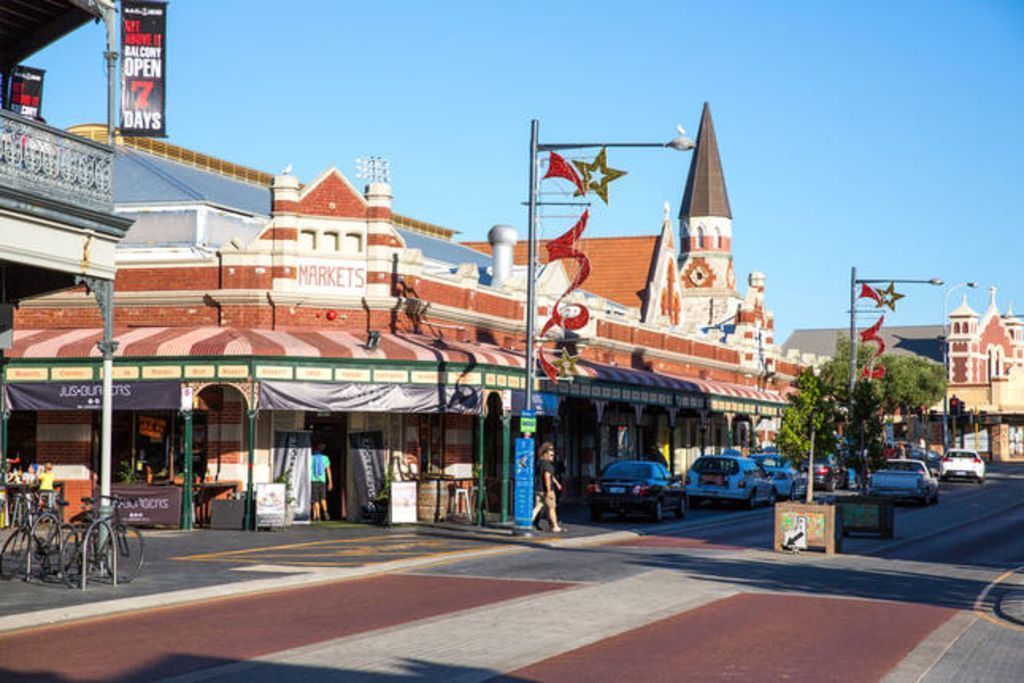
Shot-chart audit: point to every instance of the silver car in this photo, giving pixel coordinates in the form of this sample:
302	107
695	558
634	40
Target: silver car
789	482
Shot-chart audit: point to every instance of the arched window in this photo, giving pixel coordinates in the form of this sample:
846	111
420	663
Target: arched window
956	328
716	239
331	241
353	242
700	236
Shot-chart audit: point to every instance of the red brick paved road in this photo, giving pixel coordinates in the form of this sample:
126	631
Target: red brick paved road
754	637
177	640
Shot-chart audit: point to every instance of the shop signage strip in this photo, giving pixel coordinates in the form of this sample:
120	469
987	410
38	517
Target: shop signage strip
89	395
359	397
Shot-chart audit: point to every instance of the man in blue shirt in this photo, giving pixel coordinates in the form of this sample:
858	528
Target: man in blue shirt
320	480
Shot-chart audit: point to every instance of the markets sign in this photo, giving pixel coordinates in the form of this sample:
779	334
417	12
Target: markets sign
333	276
143	62
26	91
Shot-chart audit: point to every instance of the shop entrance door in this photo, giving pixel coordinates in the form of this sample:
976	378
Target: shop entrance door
332	430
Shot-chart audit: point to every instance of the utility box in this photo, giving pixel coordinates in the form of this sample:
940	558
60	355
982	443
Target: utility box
799	526
866	515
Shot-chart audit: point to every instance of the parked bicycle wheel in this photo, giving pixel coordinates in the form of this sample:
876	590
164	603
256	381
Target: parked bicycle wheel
71	558
98	557
130	552
14	555
47	540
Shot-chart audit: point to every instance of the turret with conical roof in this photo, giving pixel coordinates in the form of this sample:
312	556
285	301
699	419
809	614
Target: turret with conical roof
707	278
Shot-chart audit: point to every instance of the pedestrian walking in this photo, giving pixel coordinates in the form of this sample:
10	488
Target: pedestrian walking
320	482
546	486
46	492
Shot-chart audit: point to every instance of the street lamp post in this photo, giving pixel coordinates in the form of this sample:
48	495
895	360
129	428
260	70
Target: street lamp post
854	281
945	356
680	143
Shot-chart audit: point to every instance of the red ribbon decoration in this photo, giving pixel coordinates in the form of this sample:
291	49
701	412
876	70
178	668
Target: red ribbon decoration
560	168
869	292
564	247
871	335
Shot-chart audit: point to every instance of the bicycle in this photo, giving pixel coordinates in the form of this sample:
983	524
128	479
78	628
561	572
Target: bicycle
37	538
104	547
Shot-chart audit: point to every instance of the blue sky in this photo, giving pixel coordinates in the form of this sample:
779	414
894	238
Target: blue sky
876	134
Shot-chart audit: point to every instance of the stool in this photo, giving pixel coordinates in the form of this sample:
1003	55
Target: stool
460	501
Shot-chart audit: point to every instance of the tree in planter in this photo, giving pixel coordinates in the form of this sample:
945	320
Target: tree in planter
867	427
808	425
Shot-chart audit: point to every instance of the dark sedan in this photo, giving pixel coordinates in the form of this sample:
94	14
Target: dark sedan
636	486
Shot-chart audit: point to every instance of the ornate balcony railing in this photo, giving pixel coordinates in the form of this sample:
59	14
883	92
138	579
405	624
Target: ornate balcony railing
41	160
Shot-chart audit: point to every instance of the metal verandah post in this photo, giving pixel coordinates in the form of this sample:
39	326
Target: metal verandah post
506	443
249	500
480	493
186	495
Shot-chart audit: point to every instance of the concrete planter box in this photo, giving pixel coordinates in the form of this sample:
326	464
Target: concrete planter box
815	527
867	516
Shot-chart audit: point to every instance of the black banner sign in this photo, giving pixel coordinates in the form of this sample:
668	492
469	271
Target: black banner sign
26	88
89	396
367	452
143	73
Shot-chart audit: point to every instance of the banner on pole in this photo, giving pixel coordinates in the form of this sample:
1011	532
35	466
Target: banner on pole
143	73
26	90
523	501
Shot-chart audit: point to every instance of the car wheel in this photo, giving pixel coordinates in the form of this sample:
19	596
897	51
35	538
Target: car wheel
831	485
595	513
752	501
657	513
935	498
981	480
681	509
692	501
772	497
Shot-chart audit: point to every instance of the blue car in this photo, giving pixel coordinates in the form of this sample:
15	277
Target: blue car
789	482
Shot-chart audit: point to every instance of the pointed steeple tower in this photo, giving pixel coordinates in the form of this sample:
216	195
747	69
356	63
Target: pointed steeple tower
705	193
707	277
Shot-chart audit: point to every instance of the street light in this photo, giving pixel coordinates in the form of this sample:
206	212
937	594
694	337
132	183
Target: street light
854	281
680	143
945	356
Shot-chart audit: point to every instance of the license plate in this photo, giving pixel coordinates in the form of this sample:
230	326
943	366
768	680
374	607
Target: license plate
959	474
712	480
616	489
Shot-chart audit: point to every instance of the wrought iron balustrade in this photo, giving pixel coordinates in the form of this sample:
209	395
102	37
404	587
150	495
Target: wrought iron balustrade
46	161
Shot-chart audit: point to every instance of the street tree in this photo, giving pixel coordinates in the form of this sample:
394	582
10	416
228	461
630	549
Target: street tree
808	424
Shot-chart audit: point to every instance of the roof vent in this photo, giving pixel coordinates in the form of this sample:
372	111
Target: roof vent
502	239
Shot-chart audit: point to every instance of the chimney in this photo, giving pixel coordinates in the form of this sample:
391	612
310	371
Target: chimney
284	193
502	239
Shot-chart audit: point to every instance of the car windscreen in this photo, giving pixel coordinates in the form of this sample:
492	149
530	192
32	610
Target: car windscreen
627	470
716	466
770	461
903	467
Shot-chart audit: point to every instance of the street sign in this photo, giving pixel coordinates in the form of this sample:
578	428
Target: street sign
523	502
528	421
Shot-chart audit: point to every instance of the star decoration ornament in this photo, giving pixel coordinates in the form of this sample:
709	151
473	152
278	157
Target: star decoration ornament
599	166
889	296
566	365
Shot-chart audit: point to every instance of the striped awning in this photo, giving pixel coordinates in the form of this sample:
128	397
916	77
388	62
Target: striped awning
227	342
150	342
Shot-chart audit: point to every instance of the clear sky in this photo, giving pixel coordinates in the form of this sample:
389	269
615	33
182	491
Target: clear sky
877	134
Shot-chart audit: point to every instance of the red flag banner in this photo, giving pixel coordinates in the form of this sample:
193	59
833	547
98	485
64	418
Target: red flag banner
567	317
871	335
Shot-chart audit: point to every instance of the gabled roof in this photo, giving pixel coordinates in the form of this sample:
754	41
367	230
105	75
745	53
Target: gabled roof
443	250
914	340
619	265
705	193
142	178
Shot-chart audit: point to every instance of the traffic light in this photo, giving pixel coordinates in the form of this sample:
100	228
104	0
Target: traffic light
956	406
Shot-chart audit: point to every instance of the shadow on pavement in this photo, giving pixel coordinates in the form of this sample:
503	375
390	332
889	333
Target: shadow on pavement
257	671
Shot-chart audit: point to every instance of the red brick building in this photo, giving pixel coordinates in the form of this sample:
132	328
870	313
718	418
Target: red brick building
286	306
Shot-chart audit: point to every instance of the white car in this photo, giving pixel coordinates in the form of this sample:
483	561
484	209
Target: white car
789	482
962	464
905	480
729	477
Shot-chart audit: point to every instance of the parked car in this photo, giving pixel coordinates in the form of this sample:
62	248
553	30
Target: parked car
905	479
729	477
829	474
636	486
789	481
962	464
931	459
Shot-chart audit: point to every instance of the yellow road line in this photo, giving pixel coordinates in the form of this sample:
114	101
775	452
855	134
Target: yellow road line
305	544
979	602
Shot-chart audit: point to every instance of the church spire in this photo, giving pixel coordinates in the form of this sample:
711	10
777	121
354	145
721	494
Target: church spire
705	193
